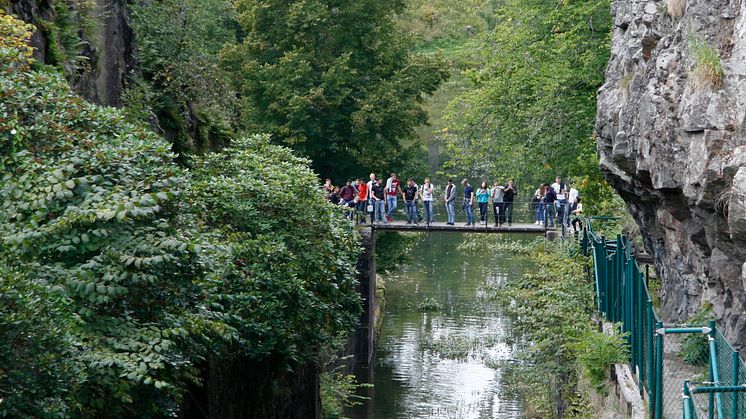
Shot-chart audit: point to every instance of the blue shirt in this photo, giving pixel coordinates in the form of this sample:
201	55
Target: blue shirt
468	193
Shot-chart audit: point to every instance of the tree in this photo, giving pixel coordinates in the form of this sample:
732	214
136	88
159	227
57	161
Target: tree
334	80
531	113
182	89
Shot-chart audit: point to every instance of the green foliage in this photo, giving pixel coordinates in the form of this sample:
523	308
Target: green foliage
429	304
120	272
182	85
694	347
282	258
32	362
333	80
531	113
708	71
551	307
596	352
68	34
338	389
393	250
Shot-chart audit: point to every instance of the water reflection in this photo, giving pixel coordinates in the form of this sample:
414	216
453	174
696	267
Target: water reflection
443	364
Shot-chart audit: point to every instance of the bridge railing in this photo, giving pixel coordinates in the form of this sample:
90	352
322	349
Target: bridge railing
523	212
712	385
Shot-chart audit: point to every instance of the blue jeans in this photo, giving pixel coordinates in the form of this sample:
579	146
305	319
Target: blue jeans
549	214
361	208
469	213
508	212
379	208
451	212
561	211
411	211
429	212
391	201
540	212
483	212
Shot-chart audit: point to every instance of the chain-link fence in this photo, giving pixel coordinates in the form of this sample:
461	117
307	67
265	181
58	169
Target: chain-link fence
684	371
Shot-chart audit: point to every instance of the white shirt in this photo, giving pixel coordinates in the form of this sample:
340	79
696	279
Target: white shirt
556	186
573	195
427	192
497	193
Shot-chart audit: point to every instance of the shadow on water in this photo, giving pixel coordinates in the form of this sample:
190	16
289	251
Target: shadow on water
444	363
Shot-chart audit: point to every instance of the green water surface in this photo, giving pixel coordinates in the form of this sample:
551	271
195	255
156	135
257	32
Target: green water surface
445	363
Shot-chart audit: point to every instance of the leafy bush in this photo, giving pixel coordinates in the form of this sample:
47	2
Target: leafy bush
596	352
694	346
282	258
121	273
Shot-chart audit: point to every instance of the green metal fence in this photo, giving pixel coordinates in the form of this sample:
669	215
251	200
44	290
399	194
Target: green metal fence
710	387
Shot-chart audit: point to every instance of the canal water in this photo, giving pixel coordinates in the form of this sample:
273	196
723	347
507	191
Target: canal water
444	342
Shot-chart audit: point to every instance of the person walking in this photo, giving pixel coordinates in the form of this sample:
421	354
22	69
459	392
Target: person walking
450	198
468	202
378	196
550	202
498	194
508	198
393	190
410	196
428	196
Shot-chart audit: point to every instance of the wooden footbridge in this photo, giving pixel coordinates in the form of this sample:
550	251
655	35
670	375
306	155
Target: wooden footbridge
523	228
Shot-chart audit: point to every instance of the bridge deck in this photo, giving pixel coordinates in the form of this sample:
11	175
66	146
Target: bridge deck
460	227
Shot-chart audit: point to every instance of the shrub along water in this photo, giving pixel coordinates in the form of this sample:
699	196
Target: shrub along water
551	307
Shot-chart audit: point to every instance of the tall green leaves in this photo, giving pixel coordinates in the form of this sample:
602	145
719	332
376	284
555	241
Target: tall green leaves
532	111
333	80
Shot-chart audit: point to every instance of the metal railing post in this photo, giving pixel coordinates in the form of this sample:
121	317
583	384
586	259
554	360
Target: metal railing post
686	400
658	372
651	359
736	364
715	370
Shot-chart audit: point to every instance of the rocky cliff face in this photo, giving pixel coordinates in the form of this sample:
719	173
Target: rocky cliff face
101	50
672	140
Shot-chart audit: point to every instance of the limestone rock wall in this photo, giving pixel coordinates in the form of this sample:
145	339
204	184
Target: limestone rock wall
107	43
673	144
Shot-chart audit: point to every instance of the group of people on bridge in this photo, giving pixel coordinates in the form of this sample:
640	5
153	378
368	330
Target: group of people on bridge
376	201
379	200
558	202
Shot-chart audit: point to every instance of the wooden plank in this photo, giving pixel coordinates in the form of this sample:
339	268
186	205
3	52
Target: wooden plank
462	228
